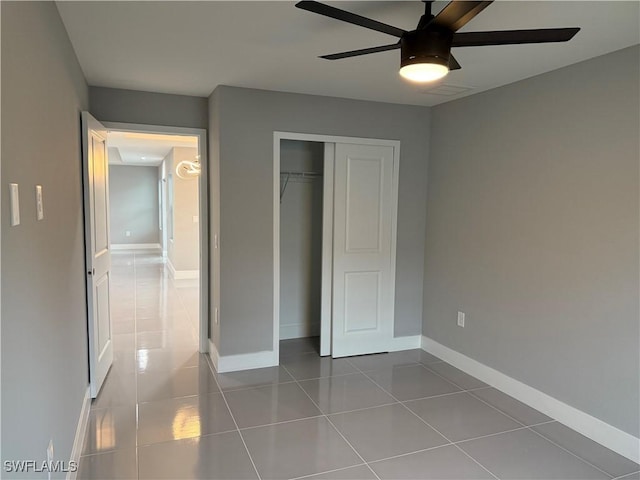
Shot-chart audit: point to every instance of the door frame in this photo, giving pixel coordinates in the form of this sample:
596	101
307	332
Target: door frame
203	214
327	249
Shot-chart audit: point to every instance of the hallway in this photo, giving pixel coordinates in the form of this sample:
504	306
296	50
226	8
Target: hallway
163	413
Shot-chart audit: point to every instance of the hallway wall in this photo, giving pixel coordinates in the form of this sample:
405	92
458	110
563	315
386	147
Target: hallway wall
134	204
44	332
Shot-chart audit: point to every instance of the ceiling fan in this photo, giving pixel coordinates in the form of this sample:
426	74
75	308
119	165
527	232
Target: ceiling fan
425	53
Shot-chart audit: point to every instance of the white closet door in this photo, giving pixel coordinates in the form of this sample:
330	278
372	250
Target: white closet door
363	273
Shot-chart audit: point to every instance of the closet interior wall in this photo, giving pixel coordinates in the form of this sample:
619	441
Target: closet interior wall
300	238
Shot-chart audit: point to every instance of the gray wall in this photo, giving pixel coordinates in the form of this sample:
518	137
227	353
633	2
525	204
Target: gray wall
132	106
134	204
532	231
183	248
301	240
246	120
44	333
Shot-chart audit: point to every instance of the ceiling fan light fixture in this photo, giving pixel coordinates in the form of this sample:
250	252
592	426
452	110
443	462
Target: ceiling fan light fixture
423	71
425	55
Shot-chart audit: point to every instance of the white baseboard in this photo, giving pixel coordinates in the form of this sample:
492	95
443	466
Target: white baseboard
299	331
135	246
245	361
405	343
601	432
81	430
213	354
182	274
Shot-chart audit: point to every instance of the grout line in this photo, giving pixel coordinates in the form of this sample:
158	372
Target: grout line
466	440
569	452
251	387
431	426
253	427
177	440
363	408
626	475
319	378
454	383
210	364
332	424
135	353
529	427
331	471
411	453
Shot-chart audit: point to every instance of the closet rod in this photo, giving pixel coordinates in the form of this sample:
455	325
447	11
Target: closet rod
297	175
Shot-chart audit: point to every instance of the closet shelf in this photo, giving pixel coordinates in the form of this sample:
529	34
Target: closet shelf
289	175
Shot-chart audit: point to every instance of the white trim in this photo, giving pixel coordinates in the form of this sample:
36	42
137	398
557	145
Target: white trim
186	274
172	271
326	300
245	361
213	354
81	430
135	246
181	274
203	184
601	432
409	342
311	137
299	330
276	243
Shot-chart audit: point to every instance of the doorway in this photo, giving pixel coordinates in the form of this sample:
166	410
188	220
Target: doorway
157	178
177	184
334	241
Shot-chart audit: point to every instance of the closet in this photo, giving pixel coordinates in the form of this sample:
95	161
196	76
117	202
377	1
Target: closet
335	201
301	173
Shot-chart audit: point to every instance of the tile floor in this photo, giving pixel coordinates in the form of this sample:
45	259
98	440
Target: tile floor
164	413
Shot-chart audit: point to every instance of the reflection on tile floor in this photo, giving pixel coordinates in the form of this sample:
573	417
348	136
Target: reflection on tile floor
163	413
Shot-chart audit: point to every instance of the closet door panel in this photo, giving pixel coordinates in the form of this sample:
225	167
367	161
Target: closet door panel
362	263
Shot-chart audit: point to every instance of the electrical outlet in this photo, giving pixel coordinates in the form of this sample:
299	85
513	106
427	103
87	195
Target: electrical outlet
127	233
461	319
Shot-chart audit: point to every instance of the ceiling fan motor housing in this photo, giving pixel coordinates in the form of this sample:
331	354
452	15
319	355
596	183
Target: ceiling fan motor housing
432	45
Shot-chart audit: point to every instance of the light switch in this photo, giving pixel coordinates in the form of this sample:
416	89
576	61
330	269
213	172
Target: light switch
14	199
39	207
195	219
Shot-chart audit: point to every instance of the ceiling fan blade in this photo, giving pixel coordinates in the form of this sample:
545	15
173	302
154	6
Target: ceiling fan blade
364	51
453	63
512	37
457	13
343	15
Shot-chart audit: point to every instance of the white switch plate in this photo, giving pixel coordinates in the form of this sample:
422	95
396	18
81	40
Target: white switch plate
216	317
14	198
39	205
127	233
195	219
461	319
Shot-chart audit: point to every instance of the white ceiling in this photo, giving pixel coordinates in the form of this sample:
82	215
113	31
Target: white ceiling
144	149
191	47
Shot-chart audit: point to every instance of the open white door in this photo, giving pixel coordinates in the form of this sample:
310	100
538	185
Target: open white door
363	254
98	249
